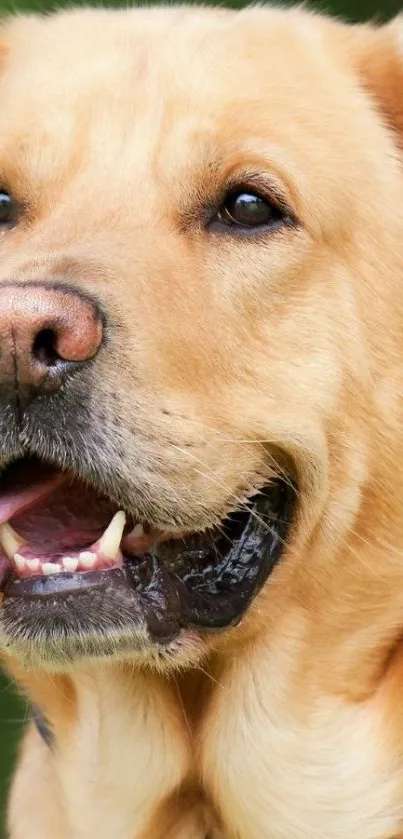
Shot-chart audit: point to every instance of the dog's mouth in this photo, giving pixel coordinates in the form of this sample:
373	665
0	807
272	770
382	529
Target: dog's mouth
62	542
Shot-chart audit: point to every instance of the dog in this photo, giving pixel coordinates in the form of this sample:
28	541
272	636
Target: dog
201	414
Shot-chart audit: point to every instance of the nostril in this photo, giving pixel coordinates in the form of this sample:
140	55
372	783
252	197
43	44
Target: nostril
44	348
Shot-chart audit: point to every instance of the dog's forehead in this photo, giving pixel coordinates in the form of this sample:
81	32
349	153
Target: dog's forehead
153	96
130	64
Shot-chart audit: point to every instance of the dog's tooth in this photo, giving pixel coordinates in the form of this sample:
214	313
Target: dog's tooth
70	563
87	559
49	568
33	564
138	532
10	541
20	562
109	543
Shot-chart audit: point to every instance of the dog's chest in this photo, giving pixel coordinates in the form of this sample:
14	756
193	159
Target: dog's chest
326	772
124	771
135	754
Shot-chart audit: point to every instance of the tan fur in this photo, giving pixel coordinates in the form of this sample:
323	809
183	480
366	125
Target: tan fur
291	725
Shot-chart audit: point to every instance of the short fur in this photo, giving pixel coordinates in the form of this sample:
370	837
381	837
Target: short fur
115	129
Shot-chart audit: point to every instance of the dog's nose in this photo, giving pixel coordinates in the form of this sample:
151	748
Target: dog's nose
45	333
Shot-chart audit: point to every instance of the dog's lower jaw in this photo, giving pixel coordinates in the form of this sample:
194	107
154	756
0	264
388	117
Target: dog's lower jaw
153	605
134	649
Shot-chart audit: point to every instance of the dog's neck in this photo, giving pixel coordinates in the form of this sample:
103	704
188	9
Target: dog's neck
120	744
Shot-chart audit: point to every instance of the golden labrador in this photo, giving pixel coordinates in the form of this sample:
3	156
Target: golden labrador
201	423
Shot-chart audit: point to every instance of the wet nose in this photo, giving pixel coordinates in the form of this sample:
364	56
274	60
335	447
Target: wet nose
45	333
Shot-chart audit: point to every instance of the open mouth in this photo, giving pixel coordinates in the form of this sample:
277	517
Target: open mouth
61	540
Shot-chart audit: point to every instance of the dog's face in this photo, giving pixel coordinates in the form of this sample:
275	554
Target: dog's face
196	210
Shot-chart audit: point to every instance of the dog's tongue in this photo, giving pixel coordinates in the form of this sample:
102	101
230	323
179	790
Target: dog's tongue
16	501
50	522
58	517
46	517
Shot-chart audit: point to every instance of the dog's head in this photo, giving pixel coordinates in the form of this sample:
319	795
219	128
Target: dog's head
200	302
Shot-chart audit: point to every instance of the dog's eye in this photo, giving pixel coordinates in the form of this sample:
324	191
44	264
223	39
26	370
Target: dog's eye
248	210
6	208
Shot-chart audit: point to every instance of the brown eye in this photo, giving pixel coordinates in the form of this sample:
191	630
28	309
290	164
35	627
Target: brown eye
248	210
6	208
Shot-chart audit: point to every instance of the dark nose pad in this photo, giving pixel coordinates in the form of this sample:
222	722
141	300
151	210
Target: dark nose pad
45	332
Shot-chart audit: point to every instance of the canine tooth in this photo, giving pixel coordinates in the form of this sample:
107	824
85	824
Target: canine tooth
87	559
109	543
20	562
49	568
33	564
70	563
10	541
138	532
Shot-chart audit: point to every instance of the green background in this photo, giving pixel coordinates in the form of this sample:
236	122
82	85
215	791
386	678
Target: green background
13	710
351	9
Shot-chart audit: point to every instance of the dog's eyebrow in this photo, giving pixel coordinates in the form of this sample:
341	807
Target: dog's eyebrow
248	162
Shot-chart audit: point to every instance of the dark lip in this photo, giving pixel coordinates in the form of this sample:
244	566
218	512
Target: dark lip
197	591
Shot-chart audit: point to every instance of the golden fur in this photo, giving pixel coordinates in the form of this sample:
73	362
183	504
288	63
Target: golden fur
291	725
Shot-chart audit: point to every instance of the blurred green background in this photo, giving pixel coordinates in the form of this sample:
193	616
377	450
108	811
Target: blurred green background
13	710
350	9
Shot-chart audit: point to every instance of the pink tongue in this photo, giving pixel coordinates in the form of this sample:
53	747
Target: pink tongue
53	513
17	501
56	520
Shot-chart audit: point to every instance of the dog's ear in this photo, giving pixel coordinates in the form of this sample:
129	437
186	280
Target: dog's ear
379	58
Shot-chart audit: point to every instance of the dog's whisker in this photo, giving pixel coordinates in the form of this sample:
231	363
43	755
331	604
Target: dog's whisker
242	505
243	444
